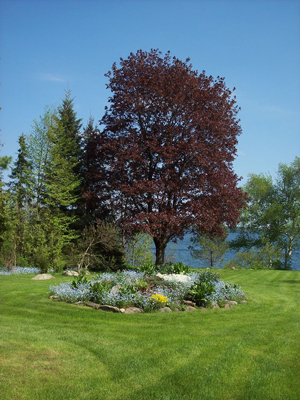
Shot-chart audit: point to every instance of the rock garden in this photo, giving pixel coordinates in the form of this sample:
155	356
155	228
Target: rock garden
133	291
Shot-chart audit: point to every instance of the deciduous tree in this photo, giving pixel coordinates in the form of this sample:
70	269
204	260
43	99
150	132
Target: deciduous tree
273	213
165	154
209	248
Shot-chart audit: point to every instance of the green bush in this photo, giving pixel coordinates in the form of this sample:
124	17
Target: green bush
166	268
199	292
78	280
98	288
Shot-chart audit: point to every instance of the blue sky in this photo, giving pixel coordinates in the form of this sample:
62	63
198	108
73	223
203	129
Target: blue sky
48	45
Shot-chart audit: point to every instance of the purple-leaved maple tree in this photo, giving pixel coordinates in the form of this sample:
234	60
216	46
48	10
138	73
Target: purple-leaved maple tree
162	164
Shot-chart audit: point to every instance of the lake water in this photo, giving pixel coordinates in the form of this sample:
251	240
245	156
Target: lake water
179	252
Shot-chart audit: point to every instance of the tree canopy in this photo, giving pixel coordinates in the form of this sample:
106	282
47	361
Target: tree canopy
163	162
273	212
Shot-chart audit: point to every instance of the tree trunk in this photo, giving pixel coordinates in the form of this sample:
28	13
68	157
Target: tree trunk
288	253
160	248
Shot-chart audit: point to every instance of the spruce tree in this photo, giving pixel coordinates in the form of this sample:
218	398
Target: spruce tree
53	190
70	132
69	147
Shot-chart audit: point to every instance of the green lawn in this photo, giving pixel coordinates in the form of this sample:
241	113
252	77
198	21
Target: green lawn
53	350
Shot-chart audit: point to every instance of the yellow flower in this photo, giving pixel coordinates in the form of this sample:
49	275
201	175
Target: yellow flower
159	298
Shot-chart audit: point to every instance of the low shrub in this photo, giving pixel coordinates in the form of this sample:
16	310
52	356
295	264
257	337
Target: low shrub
166	268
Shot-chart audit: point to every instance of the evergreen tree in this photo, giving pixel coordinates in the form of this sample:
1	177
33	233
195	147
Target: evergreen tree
70	132
53	191
68	147
20	195
5	224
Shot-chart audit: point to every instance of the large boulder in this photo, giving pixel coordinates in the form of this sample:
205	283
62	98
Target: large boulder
42	277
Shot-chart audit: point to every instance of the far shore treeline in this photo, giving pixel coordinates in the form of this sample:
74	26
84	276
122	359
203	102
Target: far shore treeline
156	166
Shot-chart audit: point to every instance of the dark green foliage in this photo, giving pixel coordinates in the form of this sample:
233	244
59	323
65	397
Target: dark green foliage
41	260
81	278
203	287
4	213
68	145
98	288
21	198
44	188
173	268
198	292
147	267
99	248
166	268
70	133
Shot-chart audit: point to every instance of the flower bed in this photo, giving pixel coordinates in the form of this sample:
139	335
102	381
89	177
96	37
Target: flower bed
149	292
19	271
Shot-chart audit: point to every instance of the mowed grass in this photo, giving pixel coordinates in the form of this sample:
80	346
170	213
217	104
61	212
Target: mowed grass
55	350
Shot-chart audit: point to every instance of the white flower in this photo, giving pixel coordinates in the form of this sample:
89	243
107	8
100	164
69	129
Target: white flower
174	277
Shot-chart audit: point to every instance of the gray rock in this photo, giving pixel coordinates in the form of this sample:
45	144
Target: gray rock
70	273
42	277
232	303
215	304
133	310
165	309
189	303
190	308
92	304
227	305
109	308
115	289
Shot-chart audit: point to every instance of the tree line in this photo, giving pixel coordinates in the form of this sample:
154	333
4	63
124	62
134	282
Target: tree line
158	163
